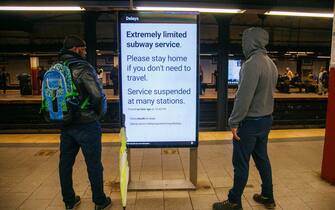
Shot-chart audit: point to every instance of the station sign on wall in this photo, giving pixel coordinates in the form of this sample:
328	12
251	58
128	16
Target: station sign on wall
159	60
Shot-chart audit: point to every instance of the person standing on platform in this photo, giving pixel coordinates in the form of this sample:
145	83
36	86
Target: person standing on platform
40	74
289	73
4	77
85	131
114	76
201	74
251	120
216	79
322	80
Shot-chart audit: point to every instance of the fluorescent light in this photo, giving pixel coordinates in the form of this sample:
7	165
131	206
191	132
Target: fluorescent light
190	9
300	14
300	52
323	56
40	8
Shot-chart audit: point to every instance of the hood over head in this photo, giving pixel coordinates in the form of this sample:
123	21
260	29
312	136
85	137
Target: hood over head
254	40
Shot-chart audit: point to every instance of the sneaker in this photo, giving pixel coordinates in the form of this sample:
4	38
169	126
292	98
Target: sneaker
226	205
267	202
74	204
108	203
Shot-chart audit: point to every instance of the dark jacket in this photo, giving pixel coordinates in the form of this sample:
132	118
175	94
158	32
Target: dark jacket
86	81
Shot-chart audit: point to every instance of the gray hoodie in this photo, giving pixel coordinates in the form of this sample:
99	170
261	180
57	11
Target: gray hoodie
258	79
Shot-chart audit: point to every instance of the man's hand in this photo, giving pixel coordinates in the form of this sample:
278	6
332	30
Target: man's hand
235	136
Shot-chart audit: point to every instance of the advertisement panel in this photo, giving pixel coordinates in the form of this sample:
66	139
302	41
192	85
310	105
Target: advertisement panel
159	61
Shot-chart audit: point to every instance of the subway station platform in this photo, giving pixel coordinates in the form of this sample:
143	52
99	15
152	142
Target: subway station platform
29	173
20	114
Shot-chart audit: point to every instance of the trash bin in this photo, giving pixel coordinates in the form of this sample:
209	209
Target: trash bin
25	84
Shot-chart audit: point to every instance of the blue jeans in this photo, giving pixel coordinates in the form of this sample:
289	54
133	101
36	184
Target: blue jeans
253	132
88	138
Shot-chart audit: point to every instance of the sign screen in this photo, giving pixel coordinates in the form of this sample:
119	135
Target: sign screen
234	67
159	60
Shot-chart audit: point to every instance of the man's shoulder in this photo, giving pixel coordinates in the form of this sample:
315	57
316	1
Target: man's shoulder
78	64
252	61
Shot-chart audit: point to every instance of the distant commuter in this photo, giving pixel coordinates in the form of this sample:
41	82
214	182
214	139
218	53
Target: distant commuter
4	77
322	81
289	73
85	131
202	85
251	120
40	74
310	84
216	79
114	76
296	82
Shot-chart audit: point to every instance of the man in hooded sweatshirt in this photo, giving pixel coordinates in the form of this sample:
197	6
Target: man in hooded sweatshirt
251	120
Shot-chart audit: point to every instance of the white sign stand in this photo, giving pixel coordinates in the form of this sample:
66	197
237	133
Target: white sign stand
176	184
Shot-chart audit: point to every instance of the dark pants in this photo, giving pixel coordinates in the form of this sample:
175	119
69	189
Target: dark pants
88	138
115	87
254	137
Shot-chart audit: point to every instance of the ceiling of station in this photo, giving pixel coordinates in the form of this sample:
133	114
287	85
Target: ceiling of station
43	31
243	4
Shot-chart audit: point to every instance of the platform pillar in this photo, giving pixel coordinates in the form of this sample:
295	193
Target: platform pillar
328	163
34	63
223	22
90	29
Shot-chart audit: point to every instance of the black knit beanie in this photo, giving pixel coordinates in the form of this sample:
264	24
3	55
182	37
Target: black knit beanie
73	41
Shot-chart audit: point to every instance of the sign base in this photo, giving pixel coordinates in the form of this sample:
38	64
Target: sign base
173	184
177	184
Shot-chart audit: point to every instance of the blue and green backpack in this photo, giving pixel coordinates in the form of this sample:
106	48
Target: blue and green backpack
60	98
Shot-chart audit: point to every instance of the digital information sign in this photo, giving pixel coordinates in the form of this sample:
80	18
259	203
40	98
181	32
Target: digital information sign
234	67
159	60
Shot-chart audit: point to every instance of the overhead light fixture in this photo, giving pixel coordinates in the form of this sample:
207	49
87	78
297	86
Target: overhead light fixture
300	52
40	8
323	56
300	14
190	9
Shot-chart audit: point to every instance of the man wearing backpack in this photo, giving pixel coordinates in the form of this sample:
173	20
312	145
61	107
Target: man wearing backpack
84	131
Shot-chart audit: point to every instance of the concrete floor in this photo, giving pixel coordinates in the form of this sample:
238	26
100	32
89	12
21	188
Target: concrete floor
29	177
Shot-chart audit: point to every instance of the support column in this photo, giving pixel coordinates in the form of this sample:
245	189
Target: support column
223	22
328	163
90	33
299	63
34	64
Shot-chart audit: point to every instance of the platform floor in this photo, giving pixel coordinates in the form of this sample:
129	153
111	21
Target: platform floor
29	173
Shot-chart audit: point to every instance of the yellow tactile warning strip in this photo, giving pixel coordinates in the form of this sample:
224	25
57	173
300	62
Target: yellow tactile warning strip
203	136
